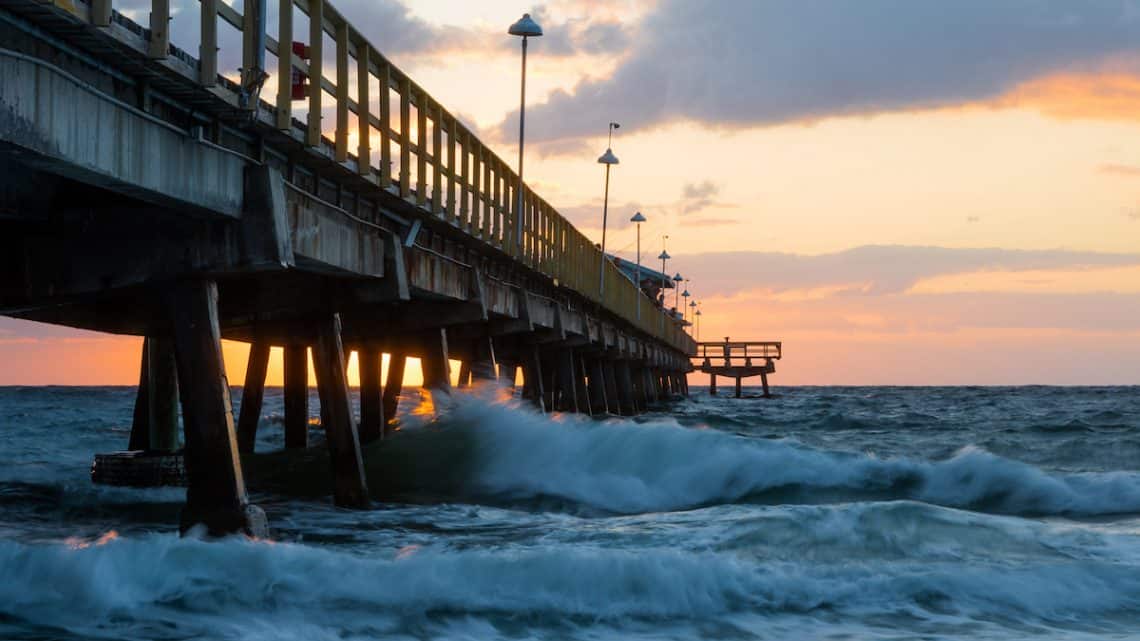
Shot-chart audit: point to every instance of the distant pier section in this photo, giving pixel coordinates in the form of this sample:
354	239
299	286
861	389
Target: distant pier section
738	360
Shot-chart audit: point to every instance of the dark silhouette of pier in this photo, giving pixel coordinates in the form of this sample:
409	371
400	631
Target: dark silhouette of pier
738	360
142	193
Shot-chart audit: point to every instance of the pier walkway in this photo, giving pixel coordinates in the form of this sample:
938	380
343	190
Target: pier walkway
141	192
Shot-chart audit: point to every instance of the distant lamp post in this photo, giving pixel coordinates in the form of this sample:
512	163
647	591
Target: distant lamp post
685	308
698	325
693	309
664	256
608	159
526	28
677	294
638	219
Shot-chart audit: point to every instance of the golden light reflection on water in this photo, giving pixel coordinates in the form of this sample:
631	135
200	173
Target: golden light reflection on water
76	543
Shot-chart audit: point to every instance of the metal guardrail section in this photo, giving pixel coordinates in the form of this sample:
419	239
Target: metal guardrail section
444	169
725	352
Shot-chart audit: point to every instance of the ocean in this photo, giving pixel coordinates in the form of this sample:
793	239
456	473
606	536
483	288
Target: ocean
822	513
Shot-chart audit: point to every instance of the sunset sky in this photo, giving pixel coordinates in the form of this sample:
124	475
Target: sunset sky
902	192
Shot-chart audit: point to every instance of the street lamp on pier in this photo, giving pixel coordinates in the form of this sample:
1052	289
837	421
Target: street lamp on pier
685	308
677	294
608	159
638	219
526	28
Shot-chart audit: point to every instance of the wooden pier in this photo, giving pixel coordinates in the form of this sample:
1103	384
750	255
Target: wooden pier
738	360
143	193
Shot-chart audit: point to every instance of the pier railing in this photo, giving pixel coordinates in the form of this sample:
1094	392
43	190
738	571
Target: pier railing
728	353
425	155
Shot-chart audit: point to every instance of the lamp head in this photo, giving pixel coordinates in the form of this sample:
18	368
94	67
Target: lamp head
664	256
637	218
608	158
525	27
678	277
685	293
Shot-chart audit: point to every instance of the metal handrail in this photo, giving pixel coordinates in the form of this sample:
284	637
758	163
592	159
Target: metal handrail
456	177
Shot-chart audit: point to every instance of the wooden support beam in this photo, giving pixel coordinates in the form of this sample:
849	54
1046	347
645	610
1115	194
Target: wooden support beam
371	402
252	394
452	167
393	386
249	44
464	379
350	488
159	47
316	60
738	387
476	208
215	496
712	384
296	396
340	148
507	373
284	65
363	119
208	45
483	360
461	214
764	382
625	388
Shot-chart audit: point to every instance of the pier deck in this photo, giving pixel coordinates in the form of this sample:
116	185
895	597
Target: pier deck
143	193
738	360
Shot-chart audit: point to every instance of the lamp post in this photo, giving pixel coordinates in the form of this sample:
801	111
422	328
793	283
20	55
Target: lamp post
693	309
526	28
685	307
677	294
698	315
638	218
608	159
664	256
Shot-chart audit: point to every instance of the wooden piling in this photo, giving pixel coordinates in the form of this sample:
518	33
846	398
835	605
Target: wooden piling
395	383
349	487
215	496
738	379
296	396
371	401
482	364
464	374
764	382
252	395
712	384
581	389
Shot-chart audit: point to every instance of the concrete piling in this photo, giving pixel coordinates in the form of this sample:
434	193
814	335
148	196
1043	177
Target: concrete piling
349	487
532	378
371	395
625	388
252	394
215	496
296	391
597	385
609	379
436	370
396	363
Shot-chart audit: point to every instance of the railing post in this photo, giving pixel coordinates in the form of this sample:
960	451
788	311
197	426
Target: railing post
341	140
316	44
451	173
284	63
101	13
496	202
464	178
421	148
405	137
437	161
476	185
363	104
208	49
159	46
385	100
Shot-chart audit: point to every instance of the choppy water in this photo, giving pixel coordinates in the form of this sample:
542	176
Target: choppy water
839	513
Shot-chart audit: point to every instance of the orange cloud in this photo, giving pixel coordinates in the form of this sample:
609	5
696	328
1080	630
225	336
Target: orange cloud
1107	95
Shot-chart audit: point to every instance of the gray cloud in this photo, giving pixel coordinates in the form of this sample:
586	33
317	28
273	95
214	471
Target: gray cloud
739	62
871	270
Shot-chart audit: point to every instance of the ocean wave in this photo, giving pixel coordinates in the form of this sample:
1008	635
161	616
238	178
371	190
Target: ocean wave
506	453
137	587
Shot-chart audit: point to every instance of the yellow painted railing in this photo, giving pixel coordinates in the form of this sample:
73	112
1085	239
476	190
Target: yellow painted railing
456	177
